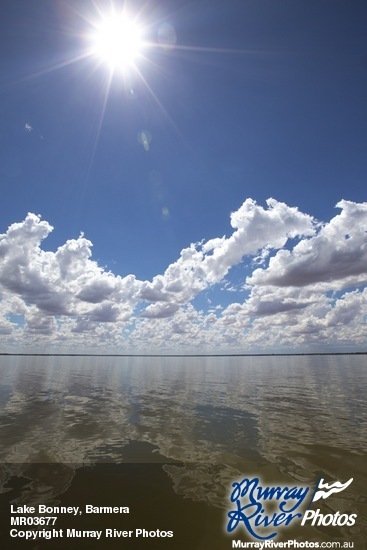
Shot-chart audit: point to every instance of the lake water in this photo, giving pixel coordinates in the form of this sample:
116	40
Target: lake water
188	426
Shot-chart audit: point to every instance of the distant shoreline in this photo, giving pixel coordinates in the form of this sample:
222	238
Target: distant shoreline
180	354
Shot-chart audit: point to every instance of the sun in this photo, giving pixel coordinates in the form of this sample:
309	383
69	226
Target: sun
117	40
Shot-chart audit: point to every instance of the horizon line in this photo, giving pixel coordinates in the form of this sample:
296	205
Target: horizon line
36	354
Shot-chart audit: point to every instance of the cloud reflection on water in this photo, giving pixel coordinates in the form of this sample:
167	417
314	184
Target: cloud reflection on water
270	416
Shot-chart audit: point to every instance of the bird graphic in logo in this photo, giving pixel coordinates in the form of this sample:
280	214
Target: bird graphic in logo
324	490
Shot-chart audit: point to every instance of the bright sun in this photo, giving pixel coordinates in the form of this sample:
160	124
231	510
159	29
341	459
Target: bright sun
117	41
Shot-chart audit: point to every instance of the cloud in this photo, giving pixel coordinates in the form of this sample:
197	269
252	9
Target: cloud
204	264
160	311
62	283
39	323
306	289
336	257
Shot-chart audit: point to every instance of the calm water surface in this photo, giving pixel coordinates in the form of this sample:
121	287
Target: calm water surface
209	419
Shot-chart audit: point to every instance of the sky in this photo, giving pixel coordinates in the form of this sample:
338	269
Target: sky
198	188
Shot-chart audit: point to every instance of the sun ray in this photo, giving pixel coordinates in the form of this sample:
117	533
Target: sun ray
100	120
121	43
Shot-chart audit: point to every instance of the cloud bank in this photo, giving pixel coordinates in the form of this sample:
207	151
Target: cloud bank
303	288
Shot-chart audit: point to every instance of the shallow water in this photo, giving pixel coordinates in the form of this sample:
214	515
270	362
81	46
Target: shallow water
202	421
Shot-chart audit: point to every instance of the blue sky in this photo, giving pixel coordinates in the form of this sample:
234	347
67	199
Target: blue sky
248	101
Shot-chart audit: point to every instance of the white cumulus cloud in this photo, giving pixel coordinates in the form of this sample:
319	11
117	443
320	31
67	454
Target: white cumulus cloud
305	291
65	283
336	256
201	265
